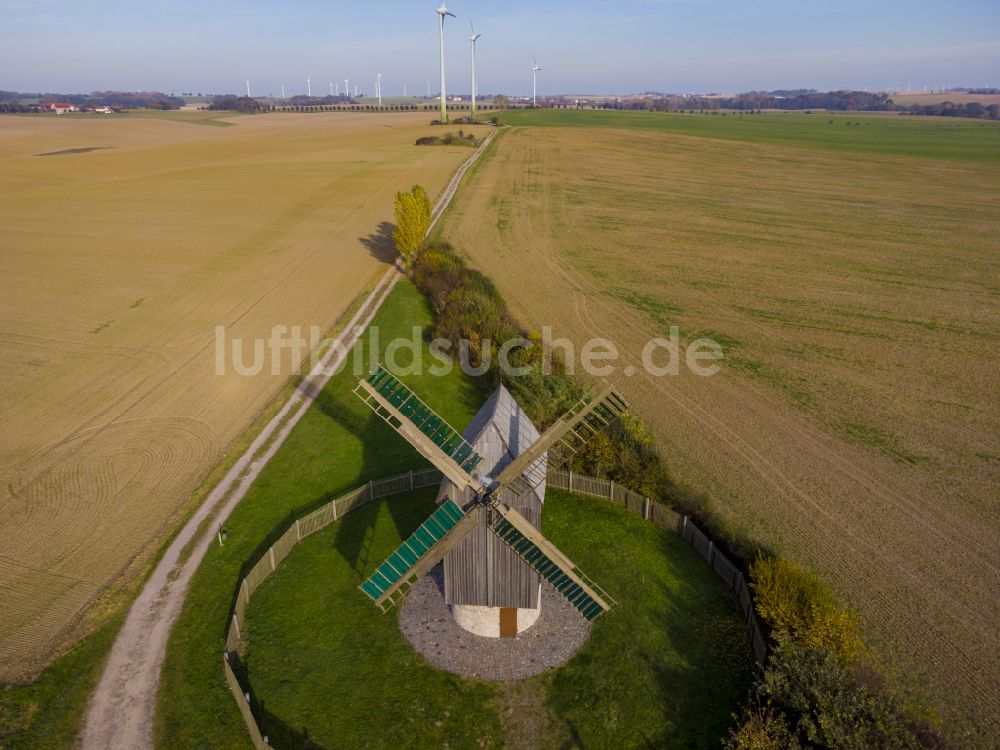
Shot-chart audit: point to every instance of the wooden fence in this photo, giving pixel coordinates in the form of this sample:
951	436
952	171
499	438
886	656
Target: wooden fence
337	508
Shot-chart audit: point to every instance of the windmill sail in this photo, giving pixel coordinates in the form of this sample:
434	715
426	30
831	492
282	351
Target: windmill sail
421	551
543	556
564	439
431	435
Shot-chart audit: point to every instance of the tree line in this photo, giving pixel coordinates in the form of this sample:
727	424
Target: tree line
860	101
14	101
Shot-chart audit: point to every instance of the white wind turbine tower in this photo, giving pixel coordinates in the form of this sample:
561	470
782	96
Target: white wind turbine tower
336	88
309	87
473	39
534	84
248	88
378	89
282	92
442	12
347	89
331	88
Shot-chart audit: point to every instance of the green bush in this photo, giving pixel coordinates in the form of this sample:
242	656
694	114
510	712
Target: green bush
826	705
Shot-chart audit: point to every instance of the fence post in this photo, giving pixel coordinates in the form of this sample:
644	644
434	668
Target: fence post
270	554
571	480
684	527
411	480
333	505
611	492
371	490
711	550
645	508
298	530
246	592
236	624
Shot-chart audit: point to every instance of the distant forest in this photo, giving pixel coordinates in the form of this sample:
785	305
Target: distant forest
20	101
851	101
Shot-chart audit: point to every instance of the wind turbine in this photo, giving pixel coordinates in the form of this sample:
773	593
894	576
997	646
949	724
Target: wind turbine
282	92
336	87
309	88
331	88
378	89
473	39
347	89
534	84
442	12
248	89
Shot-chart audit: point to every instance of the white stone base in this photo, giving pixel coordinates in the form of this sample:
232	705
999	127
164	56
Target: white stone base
485	621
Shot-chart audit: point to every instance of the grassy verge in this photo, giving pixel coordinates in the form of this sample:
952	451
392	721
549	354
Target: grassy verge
667	668
48	712
934	137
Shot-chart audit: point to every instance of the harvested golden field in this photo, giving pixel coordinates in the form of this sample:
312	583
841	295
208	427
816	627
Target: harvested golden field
125	242
855	423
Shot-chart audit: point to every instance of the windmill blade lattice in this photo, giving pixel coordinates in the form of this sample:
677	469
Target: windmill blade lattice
430	434
562	441
421	551
546	559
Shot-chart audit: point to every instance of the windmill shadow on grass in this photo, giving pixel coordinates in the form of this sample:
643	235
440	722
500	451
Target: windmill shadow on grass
381	456
280	734
702	691
380	243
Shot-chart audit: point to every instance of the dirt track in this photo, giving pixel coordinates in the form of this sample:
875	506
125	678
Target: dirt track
850	426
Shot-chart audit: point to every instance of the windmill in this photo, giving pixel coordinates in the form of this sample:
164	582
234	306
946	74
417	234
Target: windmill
378	89
442	12
534	84
486	528
474	38
248	88
309	87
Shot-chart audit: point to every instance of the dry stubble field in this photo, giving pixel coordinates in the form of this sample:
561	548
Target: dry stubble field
855	424
118	263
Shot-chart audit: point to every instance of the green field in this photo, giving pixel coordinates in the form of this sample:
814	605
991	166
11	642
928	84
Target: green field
873	133
329	687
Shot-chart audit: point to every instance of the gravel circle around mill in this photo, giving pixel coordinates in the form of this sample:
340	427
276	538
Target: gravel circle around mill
426	622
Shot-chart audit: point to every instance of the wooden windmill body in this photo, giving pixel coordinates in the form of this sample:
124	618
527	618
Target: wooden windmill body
491	589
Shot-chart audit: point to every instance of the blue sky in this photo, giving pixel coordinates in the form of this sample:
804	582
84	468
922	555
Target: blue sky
586	46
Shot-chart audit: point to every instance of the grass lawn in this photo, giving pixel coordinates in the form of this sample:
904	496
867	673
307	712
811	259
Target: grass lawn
667	668
875	133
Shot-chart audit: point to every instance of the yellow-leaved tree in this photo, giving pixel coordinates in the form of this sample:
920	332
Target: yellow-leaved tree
797	605
413	218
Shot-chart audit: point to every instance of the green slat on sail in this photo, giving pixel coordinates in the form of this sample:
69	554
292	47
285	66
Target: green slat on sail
404	557
416	411
548	569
